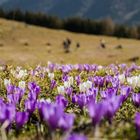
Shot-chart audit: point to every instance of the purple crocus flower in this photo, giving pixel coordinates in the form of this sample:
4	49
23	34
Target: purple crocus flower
10	89
21	118
80	99
86	67
79	67
76	137
33	87
51	66
137	123
1	101
34	91
18	90
66	122
111	105
78	79
133	67
61	100
99	81
32	96
108	93
83	99
125	91
64	77
39	106
69	91
7	112
136	99
93	90
92	95
114	68
30	106
74	99
107	80
53	84
115	82
96	112
51	114
94	67
14	98
123	66
65	69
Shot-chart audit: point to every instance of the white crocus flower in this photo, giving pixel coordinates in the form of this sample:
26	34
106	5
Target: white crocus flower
51	76
47	70
18	68
83	87
1	68
7	82
49	63
100	67
123	91
67	84
88	84
132	81
21	74
22	84
121	78
138	81
48	100
71	80
129	80
44	100
36	73
61	89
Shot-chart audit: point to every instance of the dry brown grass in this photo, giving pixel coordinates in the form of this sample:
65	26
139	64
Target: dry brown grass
24	44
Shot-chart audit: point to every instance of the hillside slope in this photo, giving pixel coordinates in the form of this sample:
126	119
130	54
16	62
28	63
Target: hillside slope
24	44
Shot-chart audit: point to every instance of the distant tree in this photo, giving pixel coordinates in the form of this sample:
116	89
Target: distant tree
138	31
18	15
76	24
132	32
73	24
121	31
53	22
107	26
2	14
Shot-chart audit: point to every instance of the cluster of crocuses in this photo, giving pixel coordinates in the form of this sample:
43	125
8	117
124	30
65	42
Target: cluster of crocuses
50	95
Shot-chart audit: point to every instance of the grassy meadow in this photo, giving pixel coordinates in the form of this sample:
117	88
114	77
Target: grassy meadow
56	102
22	44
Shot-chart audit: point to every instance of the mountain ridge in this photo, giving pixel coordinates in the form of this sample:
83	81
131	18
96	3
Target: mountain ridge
125	11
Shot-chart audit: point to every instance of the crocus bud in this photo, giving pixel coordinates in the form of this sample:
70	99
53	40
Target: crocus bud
71	80
137	123
51	76
136	99
22	84
121	78
7	82
67	84
61	89
132	81
21	118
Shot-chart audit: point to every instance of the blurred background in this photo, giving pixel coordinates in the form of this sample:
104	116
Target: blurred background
65	31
